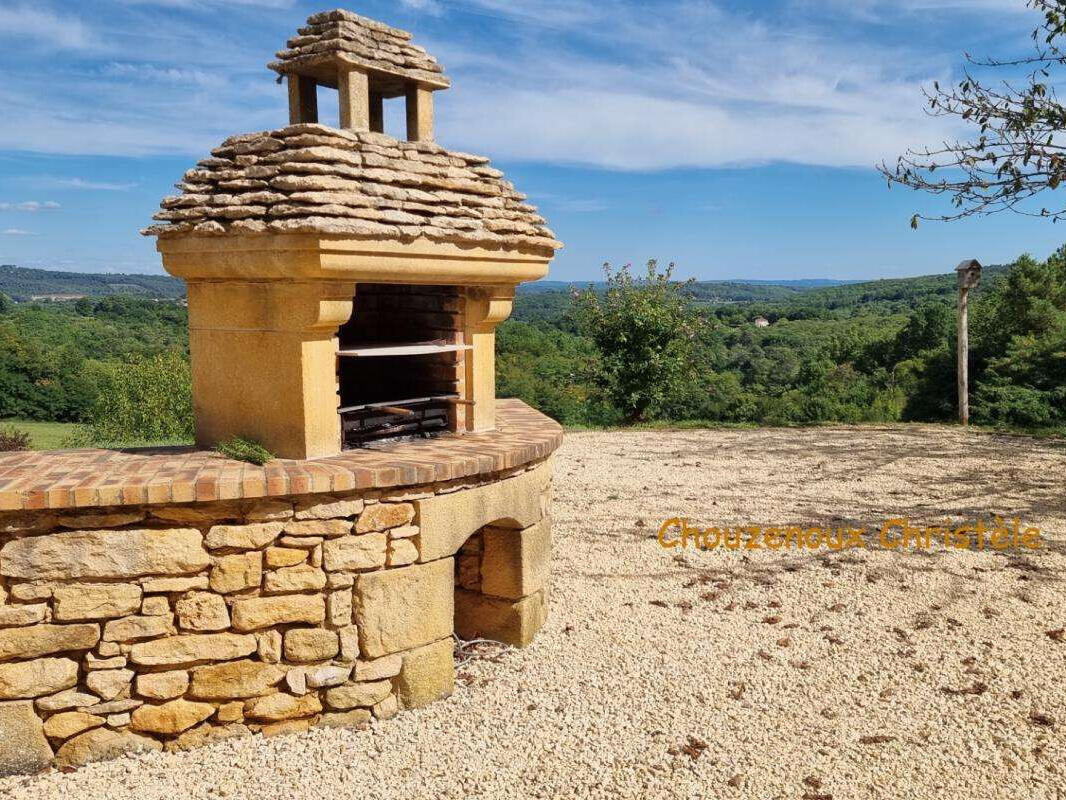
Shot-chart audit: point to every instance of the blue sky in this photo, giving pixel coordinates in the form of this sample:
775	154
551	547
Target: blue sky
734	137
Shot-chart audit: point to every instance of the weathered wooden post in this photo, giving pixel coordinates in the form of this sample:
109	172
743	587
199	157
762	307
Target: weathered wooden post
969	277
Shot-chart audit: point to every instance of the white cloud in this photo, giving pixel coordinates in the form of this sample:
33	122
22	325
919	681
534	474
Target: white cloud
35	23
30	205
426	6
154	74
18	232
81	183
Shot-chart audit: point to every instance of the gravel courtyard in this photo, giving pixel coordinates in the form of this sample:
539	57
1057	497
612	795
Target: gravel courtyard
751	674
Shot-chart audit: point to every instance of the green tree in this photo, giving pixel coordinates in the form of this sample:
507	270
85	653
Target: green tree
6	303
644	330
146	400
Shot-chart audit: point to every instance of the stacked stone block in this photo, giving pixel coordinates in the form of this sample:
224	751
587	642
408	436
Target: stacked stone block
151	627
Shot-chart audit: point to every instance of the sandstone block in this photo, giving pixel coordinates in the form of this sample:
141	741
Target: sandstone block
268	511
20	616
406	532
402	552
168	585
132	629
23	747
316	508
101	744
427	674
269	646
70	723
43	640
236	679
349	637
31	592
62	701
200	514
253	613
92	662
119	706
202	611
448	520
304	645
511	622
155	606
339	607
285	727
340	580
516	563
296	680
358	695
325	528
398	609
387	708
326	676
108	649
237	572
243	537
355	552
277	557
379	668
301	542
87	601
192	649
232	711
109	683
170	718
356	718
279	706
301	578
162	685
105	554
206	734
118	720
114	520
382	516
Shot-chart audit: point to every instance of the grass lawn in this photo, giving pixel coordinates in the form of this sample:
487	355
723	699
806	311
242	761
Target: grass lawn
43	435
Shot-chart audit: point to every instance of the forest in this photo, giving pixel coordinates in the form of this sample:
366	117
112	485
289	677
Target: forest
639	348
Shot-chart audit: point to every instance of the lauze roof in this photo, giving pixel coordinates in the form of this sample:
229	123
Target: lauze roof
311	178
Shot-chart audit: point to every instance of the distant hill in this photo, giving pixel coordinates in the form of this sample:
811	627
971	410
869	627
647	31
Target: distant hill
23	284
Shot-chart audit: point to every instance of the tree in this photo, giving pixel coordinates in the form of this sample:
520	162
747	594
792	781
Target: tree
644	330
1017	151
6	303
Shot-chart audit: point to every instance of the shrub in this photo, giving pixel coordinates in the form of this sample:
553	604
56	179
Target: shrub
248	450
11	438
145	400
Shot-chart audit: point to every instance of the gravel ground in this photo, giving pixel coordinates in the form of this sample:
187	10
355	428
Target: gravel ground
760	674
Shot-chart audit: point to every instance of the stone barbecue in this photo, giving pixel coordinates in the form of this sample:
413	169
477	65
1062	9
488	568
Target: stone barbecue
344	287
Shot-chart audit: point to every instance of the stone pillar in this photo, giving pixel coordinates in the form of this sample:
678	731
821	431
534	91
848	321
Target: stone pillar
419	114
377	113
353	85
303	99
485	308
264	363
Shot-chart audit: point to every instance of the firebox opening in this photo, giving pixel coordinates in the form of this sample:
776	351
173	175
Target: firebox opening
401	363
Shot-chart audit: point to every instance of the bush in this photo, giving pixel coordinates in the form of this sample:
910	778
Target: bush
11	438
248	450
144	401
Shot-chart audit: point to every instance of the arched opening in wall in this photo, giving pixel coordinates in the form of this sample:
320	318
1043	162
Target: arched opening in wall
501	582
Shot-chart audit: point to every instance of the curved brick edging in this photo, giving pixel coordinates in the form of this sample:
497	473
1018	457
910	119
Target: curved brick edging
96	478
169	625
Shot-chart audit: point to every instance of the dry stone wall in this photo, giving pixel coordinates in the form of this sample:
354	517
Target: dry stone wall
151	627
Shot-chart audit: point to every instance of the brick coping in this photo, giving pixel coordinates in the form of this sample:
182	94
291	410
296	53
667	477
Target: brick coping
63	479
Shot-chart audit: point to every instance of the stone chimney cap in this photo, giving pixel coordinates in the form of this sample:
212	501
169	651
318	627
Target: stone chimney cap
341	38
968	264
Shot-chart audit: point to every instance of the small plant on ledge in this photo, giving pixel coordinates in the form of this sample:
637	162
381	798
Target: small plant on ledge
240	449
11	438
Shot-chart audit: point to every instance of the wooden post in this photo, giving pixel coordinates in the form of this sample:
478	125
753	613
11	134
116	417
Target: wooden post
969	277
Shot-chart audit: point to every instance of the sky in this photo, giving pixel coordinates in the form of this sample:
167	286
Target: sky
736	138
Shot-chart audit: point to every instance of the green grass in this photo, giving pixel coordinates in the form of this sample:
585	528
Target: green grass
43	435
